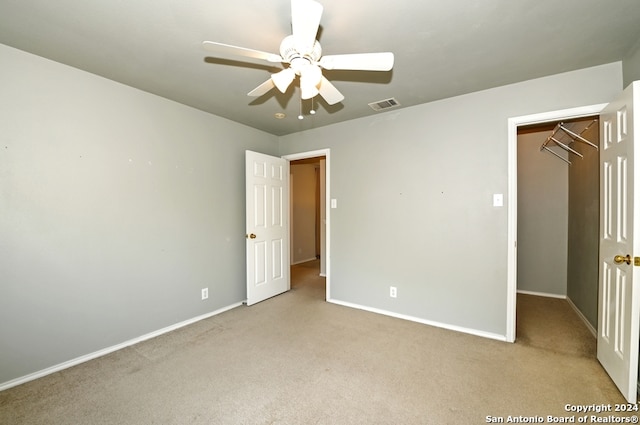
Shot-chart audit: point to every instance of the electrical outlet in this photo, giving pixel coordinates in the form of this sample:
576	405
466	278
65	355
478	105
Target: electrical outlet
393	292
205	293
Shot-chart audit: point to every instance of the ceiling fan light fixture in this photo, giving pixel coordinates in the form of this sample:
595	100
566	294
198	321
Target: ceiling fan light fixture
283	79
308	91
310	77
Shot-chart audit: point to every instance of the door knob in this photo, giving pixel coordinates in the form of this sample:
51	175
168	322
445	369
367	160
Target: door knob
619	259
251	236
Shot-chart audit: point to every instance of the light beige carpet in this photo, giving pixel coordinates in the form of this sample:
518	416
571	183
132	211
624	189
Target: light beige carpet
295	359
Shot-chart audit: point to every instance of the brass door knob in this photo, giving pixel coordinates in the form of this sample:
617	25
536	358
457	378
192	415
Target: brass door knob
251	236
619	259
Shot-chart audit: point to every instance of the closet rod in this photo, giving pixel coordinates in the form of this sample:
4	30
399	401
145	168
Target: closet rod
566	147
574	136
558	155
550	136
577	136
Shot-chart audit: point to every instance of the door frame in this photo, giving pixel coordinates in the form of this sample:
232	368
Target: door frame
512	196
327	205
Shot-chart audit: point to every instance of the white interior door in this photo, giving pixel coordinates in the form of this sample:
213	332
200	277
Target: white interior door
267	218
619	301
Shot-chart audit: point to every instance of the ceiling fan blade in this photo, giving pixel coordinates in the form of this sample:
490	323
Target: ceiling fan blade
228	49
329	92
359	61
261	89
283	79
305	20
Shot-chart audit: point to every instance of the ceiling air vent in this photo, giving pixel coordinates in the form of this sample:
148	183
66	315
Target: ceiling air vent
384	104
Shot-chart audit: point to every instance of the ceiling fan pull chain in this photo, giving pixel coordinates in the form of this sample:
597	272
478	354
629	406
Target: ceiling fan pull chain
300	117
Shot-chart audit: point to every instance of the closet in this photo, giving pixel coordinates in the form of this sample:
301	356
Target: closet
558	212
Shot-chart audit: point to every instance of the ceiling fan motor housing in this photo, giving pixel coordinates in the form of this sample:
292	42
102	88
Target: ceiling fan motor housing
299	59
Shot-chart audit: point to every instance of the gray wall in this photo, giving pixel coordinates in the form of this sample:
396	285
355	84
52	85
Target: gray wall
117	207
543	194
419	215
631	65
583	231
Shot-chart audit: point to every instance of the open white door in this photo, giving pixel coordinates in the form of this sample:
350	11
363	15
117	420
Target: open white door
267	214
619	300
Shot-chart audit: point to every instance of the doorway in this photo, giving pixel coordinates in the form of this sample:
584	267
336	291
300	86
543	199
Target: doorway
618	300
306	220
512	198
316	243
558	213
307	215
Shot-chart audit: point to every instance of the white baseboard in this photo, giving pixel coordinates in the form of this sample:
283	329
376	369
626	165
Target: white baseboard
543	294
423	321
108	350
304	261
583	318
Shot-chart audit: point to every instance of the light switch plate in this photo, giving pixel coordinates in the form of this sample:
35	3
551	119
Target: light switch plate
497	200
334	203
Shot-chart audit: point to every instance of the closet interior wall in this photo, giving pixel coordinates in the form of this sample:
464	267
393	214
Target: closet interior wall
584	225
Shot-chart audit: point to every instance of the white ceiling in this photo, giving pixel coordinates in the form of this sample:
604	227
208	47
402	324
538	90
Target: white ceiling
442	48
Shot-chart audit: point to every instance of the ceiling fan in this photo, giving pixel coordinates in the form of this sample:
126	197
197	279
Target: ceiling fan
302	52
